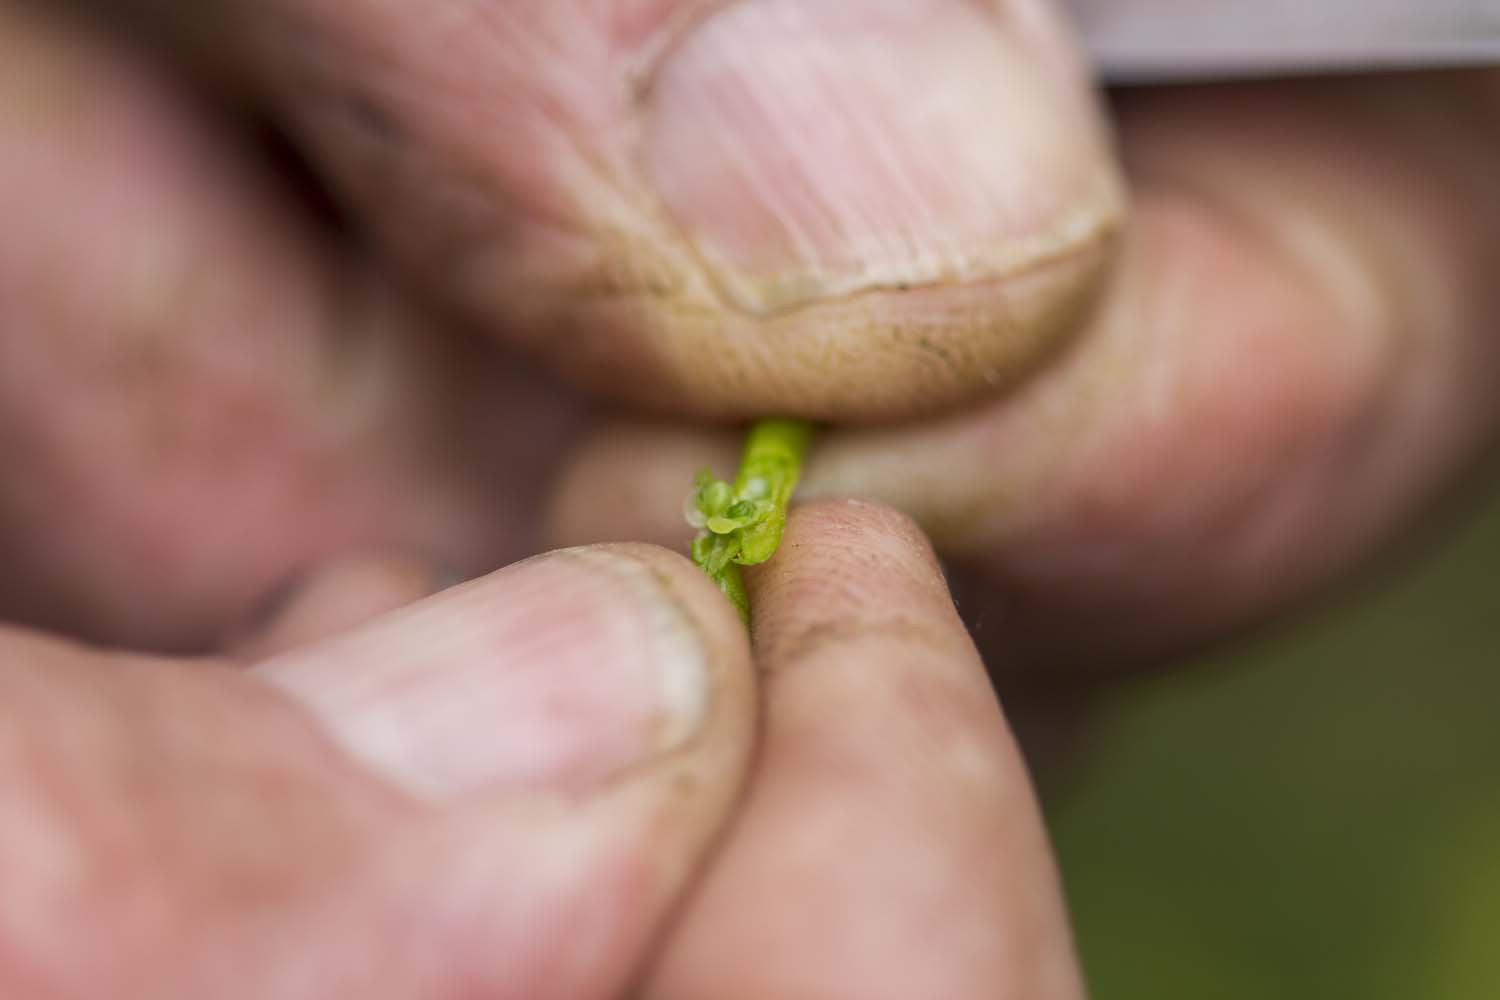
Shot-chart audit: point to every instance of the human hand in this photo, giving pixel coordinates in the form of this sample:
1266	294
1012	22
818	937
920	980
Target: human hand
508	789
205	391
1291	363
827	210
1195	459
209	388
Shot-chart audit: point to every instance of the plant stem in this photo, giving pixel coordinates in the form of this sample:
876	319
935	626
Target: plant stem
743	523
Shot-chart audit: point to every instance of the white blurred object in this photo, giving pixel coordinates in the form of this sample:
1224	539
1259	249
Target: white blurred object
1136	40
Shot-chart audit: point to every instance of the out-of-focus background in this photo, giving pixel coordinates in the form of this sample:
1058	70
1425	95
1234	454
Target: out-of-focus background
1316	815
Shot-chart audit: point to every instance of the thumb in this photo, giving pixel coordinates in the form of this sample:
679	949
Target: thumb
499	791
851	210
576	727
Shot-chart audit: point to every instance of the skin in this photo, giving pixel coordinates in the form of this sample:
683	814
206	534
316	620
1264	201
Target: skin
504	790
576	175
1291	365
245	406
190	813
951	891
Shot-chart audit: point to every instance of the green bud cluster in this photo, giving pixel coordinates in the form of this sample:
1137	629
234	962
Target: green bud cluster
741	524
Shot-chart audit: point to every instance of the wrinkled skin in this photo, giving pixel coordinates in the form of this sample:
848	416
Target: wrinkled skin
239	418
507	789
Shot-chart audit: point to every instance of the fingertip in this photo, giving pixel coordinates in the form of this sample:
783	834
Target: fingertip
851	521
860	252
702	610
723	209
563	671
848	565
572	732
891	845
597	872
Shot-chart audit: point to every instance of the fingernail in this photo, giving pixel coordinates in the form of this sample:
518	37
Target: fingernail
814	150
560	672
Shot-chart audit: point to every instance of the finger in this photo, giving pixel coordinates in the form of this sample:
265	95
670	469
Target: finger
498	791
890	845
530	610
729	209
646	701
201	396
1293	360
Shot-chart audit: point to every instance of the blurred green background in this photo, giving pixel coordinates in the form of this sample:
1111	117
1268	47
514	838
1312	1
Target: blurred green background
1315	816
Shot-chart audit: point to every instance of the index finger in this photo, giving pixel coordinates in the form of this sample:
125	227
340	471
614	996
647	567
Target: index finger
891	845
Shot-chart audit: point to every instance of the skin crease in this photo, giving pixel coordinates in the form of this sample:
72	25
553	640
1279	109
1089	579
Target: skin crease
1291	358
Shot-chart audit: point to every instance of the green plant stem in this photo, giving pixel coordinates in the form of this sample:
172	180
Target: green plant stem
742	523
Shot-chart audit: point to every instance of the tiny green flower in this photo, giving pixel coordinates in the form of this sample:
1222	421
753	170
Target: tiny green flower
742	524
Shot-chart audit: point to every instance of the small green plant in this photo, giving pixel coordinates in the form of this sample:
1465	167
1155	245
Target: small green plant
740	524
